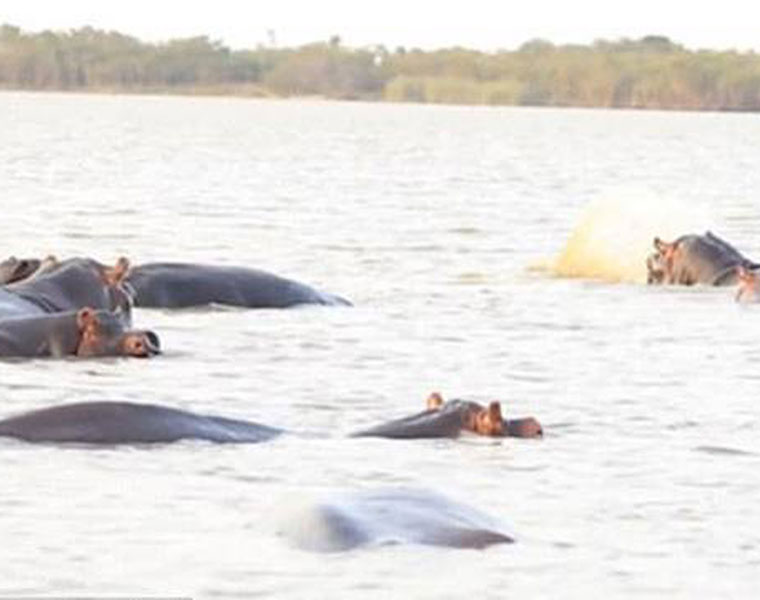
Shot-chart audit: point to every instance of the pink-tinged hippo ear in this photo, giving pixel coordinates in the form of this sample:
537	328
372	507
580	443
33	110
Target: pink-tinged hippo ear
86	318
489	420
434	401
494	411
745	275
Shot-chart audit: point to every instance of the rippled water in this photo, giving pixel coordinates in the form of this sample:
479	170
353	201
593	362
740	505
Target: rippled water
430	219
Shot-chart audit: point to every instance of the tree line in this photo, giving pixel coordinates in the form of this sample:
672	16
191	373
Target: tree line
651	72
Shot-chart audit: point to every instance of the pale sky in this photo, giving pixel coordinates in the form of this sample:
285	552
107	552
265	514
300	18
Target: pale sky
480	24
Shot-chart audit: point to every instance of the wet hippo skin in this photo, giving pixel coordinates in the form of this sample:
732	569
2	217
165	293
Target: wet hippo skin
17	269
695	259
183	285
85	333
71	285
452	418
129	423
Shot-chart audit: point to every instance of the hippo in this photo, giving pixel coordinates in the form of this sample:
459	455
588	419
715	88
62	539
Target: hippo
16	269
184	285
695	259
85	333
111	423
749	285
449	419
69	286
390	516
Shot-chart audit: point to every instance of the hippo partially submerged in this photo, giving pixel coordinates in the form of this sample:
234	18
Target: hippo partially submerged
112	423
69	286
450	419
85	333
749	285
695	259
183	285
17	269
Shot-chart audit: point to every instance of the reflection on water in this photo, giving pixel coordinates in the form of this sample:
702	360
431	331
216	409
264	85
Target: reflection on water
429	219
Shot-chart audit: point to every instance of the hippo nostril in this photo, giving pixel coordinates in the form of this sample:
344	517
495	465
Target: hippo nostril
152	343
153	339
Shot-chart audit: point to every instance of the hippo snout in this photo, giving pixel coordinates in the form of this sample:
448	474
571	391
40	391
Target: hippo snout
527	427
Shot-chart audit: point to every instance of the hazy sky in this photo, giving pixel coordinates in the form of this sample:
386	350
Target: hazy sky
482	24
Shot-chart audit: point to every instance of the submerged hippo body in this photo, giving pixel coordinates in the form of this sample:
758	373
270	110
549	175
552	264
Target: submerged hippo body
128	423
182	285
71	285
695	259
394	516
452	418
85	333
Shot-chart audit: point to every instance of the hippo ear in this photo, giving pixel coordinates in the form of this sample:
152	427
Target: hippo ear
116	274
659	245
494	412
19	267
434	401
744	273
86	318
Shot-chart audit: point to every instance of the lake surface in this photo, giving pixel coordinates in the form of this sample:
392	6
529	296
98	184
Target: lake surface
441	224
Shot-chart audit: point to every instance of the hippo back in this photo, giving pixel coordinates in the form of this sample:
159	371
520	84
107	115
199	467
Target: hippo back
182	285
128	423
435	423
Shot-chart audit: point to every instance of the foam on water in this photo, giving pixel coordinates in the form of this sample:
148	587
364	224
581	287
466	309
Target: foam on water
614	235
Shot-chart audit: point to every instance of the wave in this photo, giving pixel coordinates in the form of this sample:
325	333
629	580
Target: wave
614	236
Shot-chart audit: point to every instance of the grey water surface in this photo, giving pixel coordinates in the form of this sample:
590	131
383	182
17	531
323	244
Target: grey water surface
429	218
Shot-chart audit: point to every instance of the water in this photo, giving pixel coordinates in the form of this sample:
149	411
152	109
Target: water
433	220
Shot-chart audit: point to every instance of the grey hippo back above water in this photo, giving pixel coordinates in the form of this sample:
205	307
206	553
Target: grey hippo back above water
187	285
111	423
184	285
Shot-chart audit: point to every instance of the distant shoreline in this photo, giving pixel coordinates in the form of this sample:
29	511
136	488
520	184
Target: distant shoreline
242	95
649	73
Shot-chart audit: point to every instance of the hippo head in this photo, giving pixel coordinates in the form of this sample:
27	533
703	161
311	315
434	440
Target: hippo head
749	285
527	427
103	333
17	269
660	263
